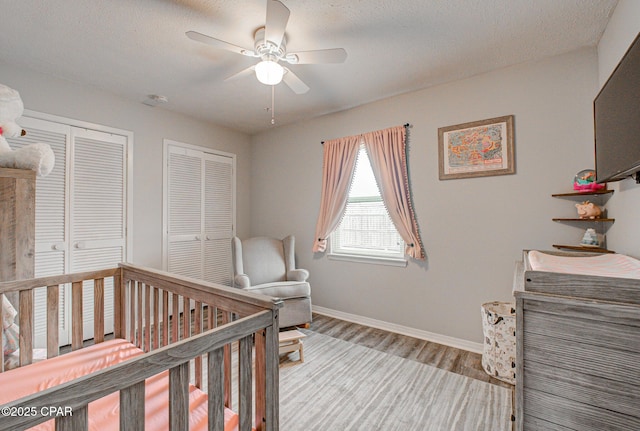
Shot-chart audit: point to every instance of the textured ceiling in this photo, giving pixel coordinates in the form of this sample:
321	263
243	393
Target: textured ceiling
137	48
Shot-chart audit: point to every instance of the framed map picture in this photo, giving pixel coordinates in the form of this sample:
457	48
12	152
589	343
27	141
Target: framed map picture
478	149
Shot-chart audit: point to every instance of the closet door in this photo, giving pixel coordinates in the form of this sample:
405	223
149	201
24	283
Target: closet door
52	215
218	216
81	214
200	213
184	196
98	212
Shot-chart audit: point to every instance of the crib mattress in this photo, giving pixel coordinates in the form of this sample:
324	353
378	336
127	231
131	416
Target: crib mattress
104	412
605	265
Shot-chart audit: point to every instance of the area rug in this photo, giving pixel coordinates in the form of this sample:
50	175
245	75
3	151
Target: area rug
344	386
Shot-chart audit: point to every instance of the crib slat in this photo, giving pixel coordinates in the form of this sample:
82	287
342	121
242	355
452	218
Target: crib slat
119	323
186	317
215	388
98	310
139	313
179	397
211	312
53	297
260	388
132	413
156	318
272	377
132	311
76	315
165	317
197	318
224	319
79	421
197	329
245	378
147	317
175	318
26	327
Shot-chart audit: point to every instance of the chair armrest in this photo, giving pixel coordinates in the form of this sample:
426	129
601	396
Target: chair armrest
297	275
242	281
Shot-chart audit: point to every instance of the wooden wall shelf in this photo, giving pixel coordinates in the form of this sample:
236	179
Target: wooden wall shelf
591	193
586	220
601	224
582	248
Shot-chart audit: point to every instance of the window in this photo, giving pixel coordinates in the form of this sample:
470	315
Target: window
366	231
387	149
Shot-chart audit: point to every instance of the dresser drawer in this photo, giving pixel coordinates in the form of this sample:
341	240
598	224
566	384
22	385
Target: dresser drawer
622	397
574	415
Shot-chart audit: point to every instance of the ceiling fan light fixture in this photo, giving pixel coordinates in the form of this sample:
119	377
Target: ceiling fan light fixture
269	72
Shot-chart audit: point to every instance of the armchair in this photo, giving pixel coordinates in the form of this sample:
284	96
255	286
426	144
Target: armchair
267	266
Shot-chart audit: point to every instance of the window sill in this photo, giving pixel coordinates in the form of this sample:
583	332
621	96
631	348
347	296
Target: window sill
376	260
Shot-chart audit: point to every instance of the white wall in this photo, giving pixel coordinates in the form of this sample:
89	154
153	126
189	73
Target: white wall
473	229
624	205
150	125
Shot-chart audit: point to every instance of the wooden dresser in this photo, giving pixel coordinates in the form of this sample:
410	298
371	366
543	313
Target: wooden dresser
17	224
578	350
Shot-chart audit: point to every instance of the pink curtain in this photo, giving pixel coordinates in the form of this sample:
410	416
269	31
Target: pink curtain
387	152
339	163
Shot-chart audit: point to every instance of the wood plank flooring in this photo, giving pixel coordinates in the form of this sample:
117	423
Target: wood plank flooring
448	358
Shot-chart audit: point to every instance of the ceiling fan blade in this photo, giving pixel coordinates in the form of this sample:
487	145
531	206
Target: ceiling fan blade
294	83
335	55
220	44
276	24
242	73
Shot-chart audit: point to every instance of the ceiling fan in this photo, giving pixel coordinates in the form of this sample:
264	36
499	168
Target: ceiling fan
271	47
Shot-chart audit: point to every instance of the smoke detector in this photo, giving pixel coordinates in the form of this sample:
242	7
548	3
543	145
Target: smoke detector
155	100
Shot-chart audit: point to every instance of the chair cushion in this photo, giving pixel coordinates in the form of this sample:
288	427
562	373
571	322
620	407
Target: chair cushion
263	260
283	289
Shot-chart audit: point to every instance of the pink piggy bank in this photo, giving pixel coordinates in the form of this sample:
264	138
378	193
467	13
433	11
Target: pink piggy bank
588	210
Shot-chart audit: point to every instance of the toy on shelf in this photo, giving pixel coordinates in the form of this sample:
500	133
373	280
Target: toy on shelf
588	210
585	181
37	157
591	239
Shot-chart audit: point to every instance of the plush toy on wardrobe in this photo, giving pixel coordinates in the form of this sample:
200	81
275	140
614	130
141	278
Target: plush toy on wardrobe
37	157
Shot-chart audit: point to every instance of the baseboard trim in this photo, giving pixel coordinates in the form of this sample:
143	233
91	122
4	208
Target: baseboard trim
399	329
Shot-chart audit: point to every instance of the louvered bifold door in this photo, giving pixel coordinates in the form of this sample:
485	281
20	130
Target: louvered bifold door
98	212
219	217
51	239
184	212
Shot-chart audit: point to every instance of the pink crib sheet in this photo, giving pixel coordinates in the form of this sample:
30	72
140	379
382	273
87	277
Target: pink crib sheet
104	412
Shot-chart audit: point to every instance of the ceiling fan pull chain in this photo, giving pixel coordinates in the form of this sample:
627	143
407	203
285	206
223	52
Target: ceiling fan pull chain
273	104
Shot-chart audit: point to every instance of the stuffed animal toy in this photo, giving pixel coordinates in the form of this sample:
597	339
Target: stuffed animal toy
37	157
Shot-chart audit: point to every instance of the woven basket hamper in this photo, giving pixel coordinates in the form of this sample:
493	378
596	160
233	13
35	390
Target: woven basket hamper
499	352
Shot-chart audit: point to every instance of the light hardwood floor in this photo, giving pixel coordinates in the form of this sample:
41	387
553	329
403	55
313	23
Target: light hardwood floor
437	355
447	358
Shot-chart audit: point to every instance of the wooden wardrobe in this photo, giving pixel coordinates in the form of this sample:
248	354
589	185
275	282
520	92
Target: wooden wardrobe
17	225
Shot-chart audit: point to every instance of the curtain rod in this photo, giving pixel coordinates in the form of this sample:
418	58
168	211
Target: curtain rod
405	125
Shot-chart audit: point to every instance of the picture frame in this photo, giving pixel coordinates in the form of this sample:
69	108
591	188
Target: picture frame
477	149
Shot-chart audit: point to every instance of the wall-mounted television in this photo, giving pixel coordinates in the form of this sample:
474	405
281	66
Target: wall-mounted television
616	111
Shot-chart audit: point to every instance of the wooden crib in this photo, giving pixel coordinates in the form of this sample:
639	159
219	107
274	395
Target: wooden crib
188	327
